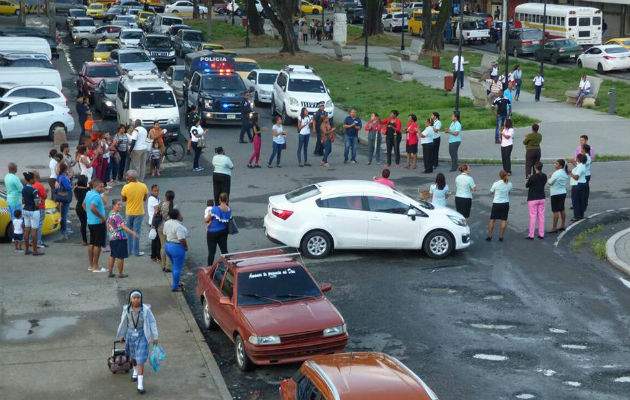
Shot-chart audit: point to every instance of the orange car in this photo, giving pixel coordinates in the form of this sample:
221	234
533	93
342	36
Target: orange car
268	303
355	376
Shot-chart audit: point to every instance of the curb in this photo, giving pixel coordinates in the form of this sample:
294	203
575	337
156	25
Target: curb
611	255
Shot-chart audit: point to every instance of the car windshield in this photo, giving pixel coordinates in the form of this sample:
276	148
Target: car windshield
565	42
139	57
267	79
78	13
273	285
26	62
300	194
105	47
111	87
145	15
616	50
171	21
245	66
131	35
307	85
532	35
125	18
158	41
104	71
83	22
222	82
193	36
178	74
153	99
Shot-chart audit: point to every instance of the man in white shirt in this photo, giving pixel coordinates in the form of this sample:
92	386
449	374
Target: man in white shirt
139	149
584	89
458	70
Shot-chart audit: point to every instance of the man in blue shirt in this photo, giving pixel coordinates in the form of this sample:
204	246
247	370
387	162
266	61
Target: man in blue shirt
95	209
351	124
507	93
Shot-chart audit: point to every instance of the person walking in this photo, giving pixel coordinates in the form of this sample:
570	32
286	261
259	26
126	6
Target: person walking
64	198
176	246
31	213
13	186
197	137
121	142
584	89
352	124
116	230
437	125
222	175
558	183
532	149
454	139
539	83
137	327
257	130
139	149
246	126
304	123
500	107
393	128
279	141
153	204
373	127
411	141
156	135
134	194
439	191
426	140
327	139
458	70
500	204
536	201
95	210
578	187
317	121
217	221
80	190
162	211
465	187
507	144
517	75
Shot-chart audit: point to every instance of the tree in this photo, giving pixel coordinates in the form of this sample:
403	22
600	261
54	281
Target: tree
281	16
434	33
373	13
196	9
254	18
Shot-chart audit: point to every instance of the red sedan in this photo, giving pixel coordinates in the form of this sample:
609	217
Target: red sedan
93	73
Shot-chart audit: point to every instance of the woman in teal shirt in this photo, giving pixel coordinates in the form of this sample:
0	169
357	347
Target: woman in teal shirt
558	183
465	185
454	138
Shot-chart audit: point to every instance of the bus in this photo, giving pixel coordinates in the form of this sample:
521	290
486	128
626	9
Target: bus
581	24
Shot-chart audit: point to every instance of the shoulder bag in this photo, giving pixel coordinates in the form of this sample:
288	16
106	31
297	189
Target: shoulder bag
232	227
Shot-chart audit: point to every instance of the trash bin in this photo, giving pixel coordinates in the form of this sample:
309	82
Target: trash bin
435	62
244	21
448	82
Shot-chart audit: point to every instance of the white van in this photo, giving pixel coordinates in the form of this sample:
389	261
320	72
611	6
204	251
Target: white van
30	76
163	22
25	43
145	96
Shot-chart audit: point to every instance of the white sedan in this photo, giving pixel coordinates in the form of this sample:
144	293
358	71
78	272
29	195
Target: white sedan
262	81
605	58
26	117
362	215
184	9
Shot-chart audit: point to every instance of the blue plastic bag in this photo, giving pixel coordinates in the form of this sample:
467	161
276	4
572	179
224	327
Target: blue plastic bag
156	357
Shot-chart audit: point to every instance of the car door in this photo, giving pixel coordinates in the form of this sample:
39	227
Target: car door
99	94
251	80
278	89
193	93
346	218
42	117
225	313
213	290
19	125
389	226
387	22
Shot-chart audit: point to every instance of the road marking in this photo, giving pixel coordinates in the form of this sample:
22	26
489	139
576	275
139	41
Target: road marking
562	234
622	379
572	383
490	357
490	326
557	330
65	49
547	372
493	297
525	396
574	346
625	282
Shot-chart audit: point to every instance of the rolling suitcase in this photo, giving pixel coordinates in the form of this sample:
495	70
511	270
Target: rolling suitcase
118	362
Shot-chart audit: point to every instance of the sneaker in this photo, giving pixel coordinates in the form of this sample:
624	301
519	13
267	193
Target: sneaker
68	232
42	245
38	253
100	271
353	161
140	253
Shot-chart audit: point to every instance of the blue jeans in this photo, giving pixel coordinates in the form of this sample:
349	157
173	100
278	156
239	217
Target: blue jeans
327	149
459	76
134	222
500	120
302	147
277	149
177	254
350	142
537	89
65	207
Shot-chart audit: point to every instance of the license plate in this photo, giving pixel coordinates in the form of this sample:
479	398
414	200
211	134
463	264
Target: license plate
572	56
231	116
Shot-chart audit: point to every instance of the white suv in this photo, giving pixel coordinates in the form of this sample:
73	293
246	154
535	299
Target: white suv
297	86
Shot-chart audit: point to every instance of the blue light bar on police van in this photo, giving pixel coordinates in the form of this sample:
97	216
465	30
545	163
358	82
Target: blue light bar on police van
220	65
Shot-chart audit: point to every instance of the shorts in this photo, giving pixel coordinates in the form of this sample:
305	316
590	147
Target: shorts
557	202
463	205
500	211
31	219
412	148
97	234
18	237
118	249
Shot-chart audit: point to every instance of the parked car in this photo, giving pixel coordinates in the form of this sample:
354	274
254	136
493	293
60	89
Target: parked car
605	58
362	215
48	93
52	219
24	59
186	41
522	41
82	25
268	303
132	60
87	39
174	76
262	81
394	22
26	117
558	50
623	42
355	15
92	73
364	375
105	97
185	9
103	49
159	48
130	38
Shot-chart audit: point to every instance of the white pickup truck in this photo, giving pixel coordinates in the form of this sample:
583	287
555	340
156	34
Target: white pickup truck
473	31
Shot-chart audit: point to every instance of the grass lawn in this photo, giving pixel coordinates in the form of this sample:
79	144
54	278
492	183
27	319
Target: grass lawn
232	36
370	90
557	80
355	37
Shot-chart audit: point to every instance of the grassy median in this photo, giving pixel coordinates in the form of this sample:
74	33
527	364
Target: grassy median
232	36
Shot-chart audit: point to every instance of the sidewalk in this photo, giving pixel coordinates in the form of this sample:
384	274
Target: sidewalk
58	321
618	250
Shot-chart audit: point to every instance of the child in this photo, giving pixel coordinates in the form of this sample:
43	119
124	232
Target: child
155	156
208	210
18	230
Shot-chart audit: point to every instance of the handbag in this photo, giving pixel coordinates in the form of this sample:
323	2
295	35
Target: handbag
201	144
284	146
157	218
63	196
232	227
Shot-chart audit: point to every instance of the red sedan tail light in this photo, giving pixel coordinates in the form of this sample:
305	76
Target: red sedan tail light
282	214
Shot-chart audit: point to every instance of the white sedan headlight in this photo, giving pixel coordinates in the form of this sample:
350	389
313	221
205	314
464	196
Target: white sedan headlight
264	340
335	330
457	220
293	101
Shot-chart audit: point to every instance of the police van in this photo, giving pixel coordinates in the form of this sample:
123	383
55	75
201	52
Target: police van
211	84
145	96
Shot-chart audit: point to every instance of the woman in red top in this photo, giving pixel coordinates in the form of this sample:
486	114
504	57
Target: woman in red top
411	141
393	126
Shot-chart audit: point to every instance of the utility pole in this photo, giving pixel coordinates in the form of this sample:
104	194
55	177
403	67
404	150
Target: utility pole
209	22
542	41
459	54
52	25
247	27
402	28
506	35
233	10
22	17
504	30
366	62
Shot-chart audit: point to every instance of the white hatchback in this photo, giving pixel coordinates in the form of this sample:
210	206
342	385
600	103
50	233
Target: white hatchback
348	214
27	117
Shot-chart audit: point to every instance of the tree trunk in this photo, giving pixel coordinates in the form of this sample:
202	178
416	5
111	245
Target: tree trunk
195	9
254	18
373	13
282	19
434	33
209	20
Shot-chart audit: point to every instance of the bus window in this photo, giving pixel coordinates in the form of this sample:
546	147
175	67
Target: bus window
572	21
585	21
597	20
561	21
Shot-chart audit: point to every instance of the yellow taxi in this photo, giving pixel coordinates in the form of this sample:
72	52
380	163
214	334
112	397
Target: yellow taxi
310	8
209	46
142	17
103	48
96	10
624	42
243	66
414	26
394	7
9	8
52	220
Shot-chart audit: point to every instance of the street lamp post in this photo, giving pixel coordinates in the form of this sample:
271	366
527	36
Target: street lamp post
459	54
402	28
233	11
366	62
247	25
542	42
506	40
